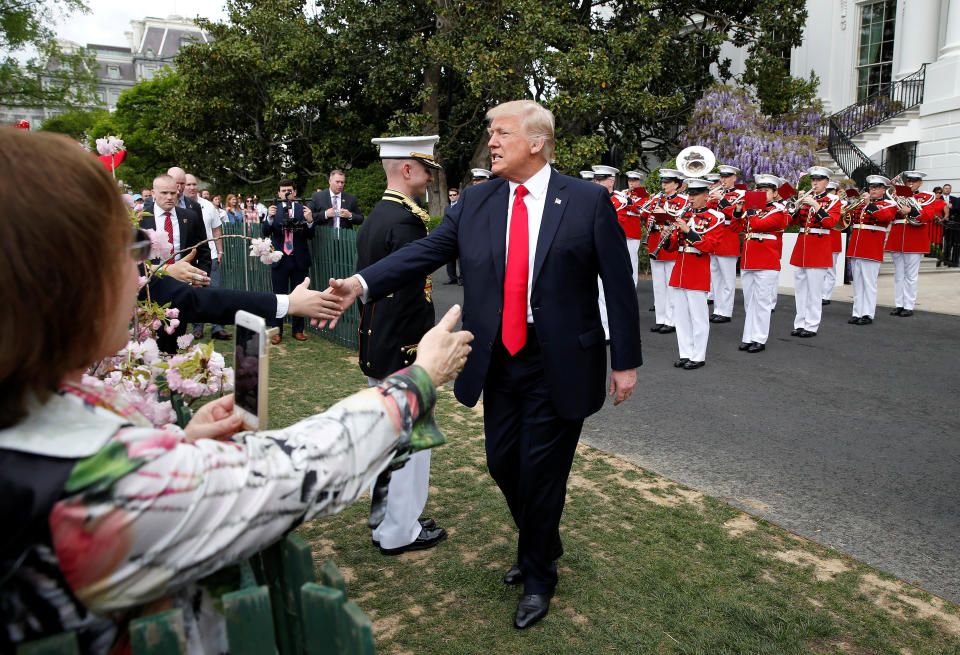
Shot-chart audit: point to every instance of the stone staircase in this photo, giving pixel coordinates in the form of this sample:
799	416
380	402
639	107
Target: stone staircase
898	129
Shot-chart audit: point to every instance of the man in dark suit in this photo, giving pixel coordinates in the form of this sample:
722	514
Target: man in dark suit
183	226
334	207
453	194
531	245
290	228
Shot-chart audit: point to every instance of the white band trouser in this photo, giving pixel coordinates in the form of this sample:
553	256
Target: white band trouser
406	498
906	268
633	247
723	283
759	299
864	272
807	287
663	293
693	323
830	279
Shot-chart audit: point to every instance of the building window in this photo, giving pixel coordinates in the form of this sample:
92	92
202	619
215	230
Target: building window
148	72
875	60
113	72
900	157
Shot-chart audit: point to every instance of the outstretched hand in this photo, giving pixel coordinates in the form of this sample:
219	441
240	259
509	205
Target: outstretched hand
315	305
186	272
442	353
345	292
215	420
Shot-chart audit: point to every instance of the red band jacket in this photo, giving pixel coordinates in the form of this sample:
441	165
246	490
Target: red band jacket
655	217
729	245
904	237
692	270
631	222
762	236
813	248
868	229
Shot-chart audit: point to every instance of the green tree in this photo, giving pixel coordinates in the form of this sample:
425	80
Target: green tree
52	77
76	123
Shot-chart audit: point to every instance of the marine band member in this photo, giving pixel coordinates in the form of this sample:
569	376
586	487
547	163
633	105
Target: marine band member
606	176
695	236
812	255
657	214
907	244
836	245
630	219
760	261
723	262
867	232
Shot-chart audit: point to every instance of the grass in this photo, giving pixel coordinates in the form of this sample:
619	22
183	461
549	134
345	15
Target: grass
649	566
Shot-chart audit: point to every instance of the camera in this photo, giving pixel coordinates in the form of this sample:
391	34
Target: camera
285	205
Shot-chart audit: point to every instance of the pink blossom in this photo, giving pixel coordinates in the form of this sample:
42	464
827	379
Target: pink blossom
156	324
160	246
184	341
141	281
172	312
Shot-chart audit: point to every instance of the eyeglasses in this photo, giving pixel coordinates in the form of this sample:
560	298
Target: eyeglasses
140	249
453	195
876	186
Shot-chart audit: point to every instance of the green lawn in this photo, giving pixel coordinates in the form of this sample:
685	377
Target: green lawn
649	566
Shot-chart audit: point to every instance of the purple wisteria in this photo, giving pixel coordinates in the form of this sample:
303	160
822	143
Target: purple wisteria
729	123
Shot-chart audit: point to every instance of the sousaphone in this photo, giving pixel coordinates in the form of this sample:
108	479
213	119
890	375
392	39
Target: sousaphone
696	161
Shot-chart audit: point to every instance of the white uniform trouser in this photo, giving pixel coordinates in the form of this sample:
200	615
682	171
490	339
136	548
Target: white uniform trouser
759	299
406	498
906	266
633	246
693	323
807	288
830	279
664	296
865	272
723	283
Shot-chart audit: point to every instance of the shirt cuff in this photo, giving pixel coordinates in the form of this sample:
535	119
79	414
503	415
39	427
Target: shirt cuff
283	305
366	290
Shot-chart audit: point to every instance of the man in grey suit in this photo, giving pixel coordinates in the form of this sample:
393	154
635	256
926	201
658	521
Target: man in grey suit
334	207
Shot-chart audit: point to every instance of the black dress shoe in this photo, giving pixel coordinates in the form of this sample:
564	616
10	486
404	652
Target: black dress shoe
223	335
712	316
865	320
689	366
709	302
795	332
656	327
825	301
680	362
426	539
530	609
897	311
719	318
513	576
745	345
427	523
667	329
756	348
652	308
854	320
904	313
806	334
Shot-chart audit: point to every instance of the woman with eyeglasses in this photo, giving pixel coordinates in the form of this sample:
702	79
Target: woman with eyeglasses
103	512
250	214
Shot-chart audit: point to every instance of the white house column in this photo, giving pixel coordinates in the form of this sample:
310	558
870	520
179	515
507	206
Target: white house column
916	35
951	40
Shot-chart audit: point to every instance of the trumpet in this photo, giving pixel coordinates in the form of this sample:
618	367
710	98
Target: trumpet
793	205
846	214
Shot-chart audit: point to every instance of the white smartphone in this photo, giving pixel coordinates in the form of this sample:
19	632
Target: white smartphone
251	370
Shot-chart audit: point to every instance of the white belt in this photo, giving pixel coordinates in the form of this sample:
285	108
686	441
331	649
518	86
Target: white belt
875	228
691	249
759	236
903	221
815	230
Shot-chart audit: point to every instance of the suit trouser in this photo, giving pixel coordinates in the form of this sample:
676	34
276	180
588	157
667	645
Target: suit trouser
830	279
807	289
529	453
759	299
693	323
406	498
663	293
284	277
452	269
723	283
864	272
906	269
214	284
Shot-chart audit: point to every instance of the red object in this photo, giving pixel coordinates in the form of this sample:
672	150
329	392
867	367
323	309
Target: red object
640	193
692	270
904	237
22	124
815	250
168	226
740	187
729	243
755	200
515	280
759	252
853	193
903	190
660	220
110	162
630	222
867	243
786	191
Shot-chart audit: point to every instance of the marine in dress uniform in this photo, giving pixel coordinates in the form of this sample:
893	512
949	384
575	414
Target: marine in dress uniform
760	261
658	213
836	245
587	175
812	255
868	228
907	244
695	236
606	177
479	175
723	262
392	326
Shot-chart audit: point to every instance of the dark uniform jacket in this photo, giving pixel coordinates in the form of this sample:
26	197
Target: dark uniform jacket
389	326
192	229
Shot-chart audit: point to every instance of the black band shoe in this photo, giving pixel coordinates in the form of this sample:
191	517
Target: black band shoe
426	539
795	332
656	327
854	320
680	362
897	311
530	609
745	345
513	576
689	366
865	320
756	348
806	334
667	329
903	312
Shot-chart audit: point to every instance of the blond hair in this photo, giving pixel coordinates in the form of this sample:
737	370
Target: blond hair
536	121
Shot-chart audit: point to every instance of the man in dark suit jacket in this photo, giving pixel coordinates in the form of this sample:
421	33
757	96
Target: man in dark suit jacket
325	204
538	355
187	224
290	228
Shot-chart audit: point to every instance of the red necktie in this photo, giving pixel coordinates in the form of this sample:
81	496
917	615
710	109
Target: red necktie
515	281
168	226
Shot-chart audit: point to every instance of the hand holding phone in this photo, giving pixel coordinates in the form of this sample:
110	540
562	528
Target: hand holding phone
251	370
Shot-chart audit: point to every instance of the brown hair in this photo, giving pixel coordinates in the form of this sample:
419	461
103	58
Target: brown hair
60	275
227	202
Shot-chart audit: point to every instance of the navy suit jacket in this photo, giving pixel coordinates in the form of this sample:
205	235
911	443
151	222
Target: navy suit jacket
301	236
579	239
320	203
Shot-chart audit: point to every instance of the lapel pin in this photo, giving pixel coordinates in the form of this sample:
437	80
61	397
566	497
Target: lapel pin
556	201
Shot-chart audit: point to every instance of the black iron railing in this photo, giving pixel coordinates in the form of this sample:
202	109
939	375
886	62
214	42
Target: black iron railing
889	101
849	157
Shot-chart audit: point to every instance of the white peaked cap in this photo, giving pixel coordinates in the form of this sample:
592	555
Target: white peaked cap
878	179
765	179
724	169
670	173
822	171
479	173
634	175
587	175
913	175
409	147
604	171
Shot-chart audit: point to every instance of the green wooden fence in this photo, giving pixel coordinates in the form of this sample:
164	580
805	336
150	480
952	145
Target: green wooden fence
333	254
282	611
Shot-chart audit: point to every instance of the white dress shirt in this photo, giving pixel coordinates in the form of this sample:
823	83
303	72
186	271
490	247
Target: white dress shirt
335	204
211	220
161	220
534	200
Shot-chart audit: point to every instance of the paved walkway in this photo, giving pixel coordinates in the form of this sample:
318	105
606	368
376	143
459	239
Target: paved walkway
851	439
